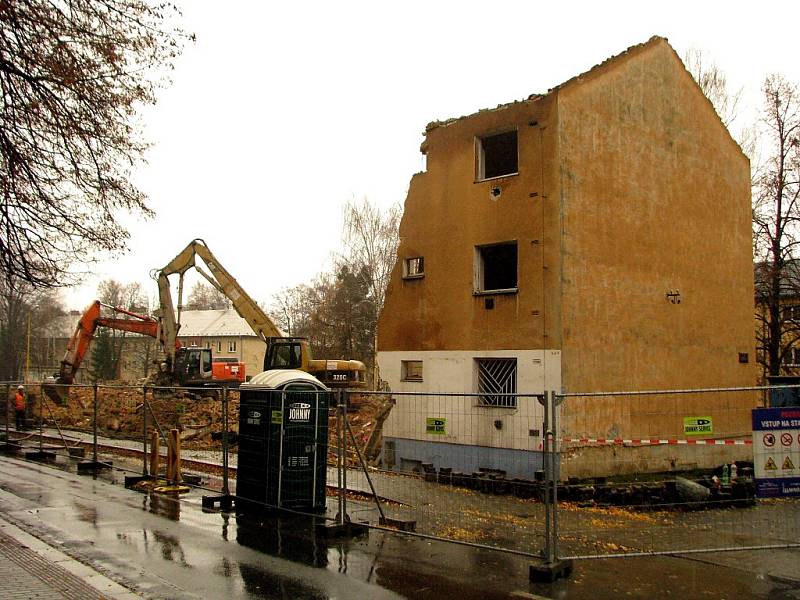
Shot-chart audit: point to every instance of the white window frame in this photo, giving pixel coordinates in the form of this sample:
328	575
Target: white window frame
414	267
480	155
404	376
231	346
479	270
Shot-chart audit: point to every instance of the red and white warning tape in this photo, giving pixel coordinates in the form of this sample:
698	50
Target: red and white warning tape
655	442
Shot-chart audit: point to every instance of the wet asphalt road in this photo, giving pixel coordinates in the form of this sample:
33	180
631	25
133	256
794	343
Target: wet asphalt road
167	548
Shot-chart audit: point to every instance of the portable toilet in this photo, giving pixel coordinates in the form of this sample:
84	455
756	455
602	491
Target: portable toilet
283	441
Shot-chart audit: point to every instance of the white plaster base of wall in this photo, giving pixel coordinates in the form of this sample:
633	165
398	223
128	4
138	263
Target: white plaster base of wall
466	421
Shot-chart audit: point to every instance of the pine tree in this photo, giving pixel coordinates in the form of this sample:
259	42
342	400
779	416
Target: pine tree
102	356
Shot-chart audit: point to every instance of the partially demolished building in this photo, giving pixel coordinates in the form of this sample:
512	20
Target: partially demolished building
593	238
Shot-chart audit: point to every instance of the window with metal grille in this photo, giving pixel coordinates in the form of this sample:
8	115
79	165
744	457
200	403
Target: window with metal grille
497	376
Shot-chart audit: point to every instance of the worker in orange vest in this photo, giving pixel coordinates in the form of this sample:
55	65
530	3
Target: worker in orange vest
19	405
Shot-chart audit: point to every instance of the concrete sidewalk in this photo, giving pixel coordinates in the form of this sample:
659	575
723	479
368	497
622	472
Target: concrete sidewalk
29	568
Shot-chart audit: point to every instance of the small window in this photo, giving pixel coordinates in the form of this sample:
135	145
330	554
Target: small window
411	370
792	357
496	268
414	267
497	155
497	377
232	346
219	346
791	313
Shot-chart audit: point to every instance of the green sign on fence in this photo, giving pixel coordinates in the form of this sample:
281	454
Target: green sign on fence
277	417
697	426
435	425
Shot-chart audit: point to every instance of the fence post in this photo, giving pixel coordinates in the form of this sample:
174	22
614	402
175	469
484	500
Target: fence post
41	422
556	467
344	453
94	424
225	488
552	568
548	507
144	431
8	410
340	458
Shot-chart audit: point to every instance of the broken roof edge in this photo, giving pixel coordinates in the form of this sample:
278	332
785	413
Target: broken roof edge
595	70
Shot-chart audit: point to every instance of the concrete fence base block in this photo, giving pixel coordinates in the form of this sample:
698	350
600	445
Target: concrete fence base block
549	572
348	529
40	456
90	466
398	524
10	448
225	502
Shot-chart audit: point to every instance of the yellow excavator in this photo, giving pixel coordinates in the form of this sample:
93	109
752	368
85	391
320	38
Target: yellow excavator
282	352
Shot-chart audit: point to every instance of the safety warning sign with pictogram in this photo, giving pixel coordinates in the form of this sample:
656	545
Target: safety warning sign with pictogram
776	451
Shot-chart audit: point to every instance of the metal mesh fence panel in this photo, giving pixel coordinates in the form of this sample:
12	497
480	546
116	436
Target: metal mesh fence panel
455	466
663	471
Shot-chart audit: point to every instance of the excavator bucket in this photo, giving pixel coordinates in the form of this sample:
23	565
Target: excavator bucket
57	391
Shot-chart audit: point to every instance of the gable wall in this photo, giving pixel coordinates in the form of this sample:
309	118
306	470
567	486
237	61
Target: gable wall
655	197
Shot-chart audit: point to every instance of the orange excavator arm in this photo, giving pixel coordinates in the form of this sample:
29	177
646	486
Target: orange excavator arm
79	344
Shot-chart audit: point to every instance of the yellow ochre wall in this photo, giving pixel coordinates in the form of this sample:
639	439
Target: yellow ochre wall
655	197
447	213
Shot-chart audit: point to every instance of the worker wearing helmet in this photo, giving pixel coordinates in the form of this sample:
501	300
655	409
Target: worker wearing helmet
19	405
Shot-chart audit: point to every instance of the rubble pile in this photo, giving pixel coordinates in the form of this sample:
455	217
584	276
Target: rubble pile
198	417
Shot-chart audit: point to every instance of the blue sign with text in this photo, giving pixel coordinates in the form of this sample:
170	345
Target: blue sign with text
776	451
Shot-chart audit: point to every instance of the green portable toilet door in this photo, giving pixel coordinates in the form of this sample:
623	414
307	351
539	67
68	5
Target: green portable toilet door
300	430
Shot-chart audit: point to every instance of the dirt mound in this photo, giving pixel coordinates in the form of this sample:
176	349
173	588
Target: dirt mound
120	414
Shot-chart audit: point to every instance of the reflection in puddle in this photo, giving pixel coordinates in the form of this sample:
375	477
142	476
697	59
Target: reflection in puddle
163	505
291	538
85	513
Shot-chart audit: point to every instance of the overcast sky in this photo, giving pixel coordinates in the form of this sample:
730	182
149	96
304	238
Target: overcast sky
283	111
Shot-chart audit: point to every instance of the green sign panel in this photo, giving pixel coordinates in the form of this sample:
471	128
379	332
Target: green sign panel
697	426
277	417
435	425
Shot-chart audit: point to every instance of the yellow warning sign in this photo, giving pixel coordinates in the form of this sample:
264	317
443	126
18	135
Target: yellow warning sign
771	466
788	465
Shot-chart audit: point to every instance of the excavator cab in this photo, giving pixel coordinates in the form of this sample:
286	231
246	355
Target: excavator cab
193	365
284	353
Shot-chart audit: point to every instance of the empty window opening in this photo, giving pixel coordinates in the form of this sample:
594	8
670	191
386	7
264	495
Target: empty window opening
791	313
496	268
414	267
496	378
497	155
411	370
791	357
